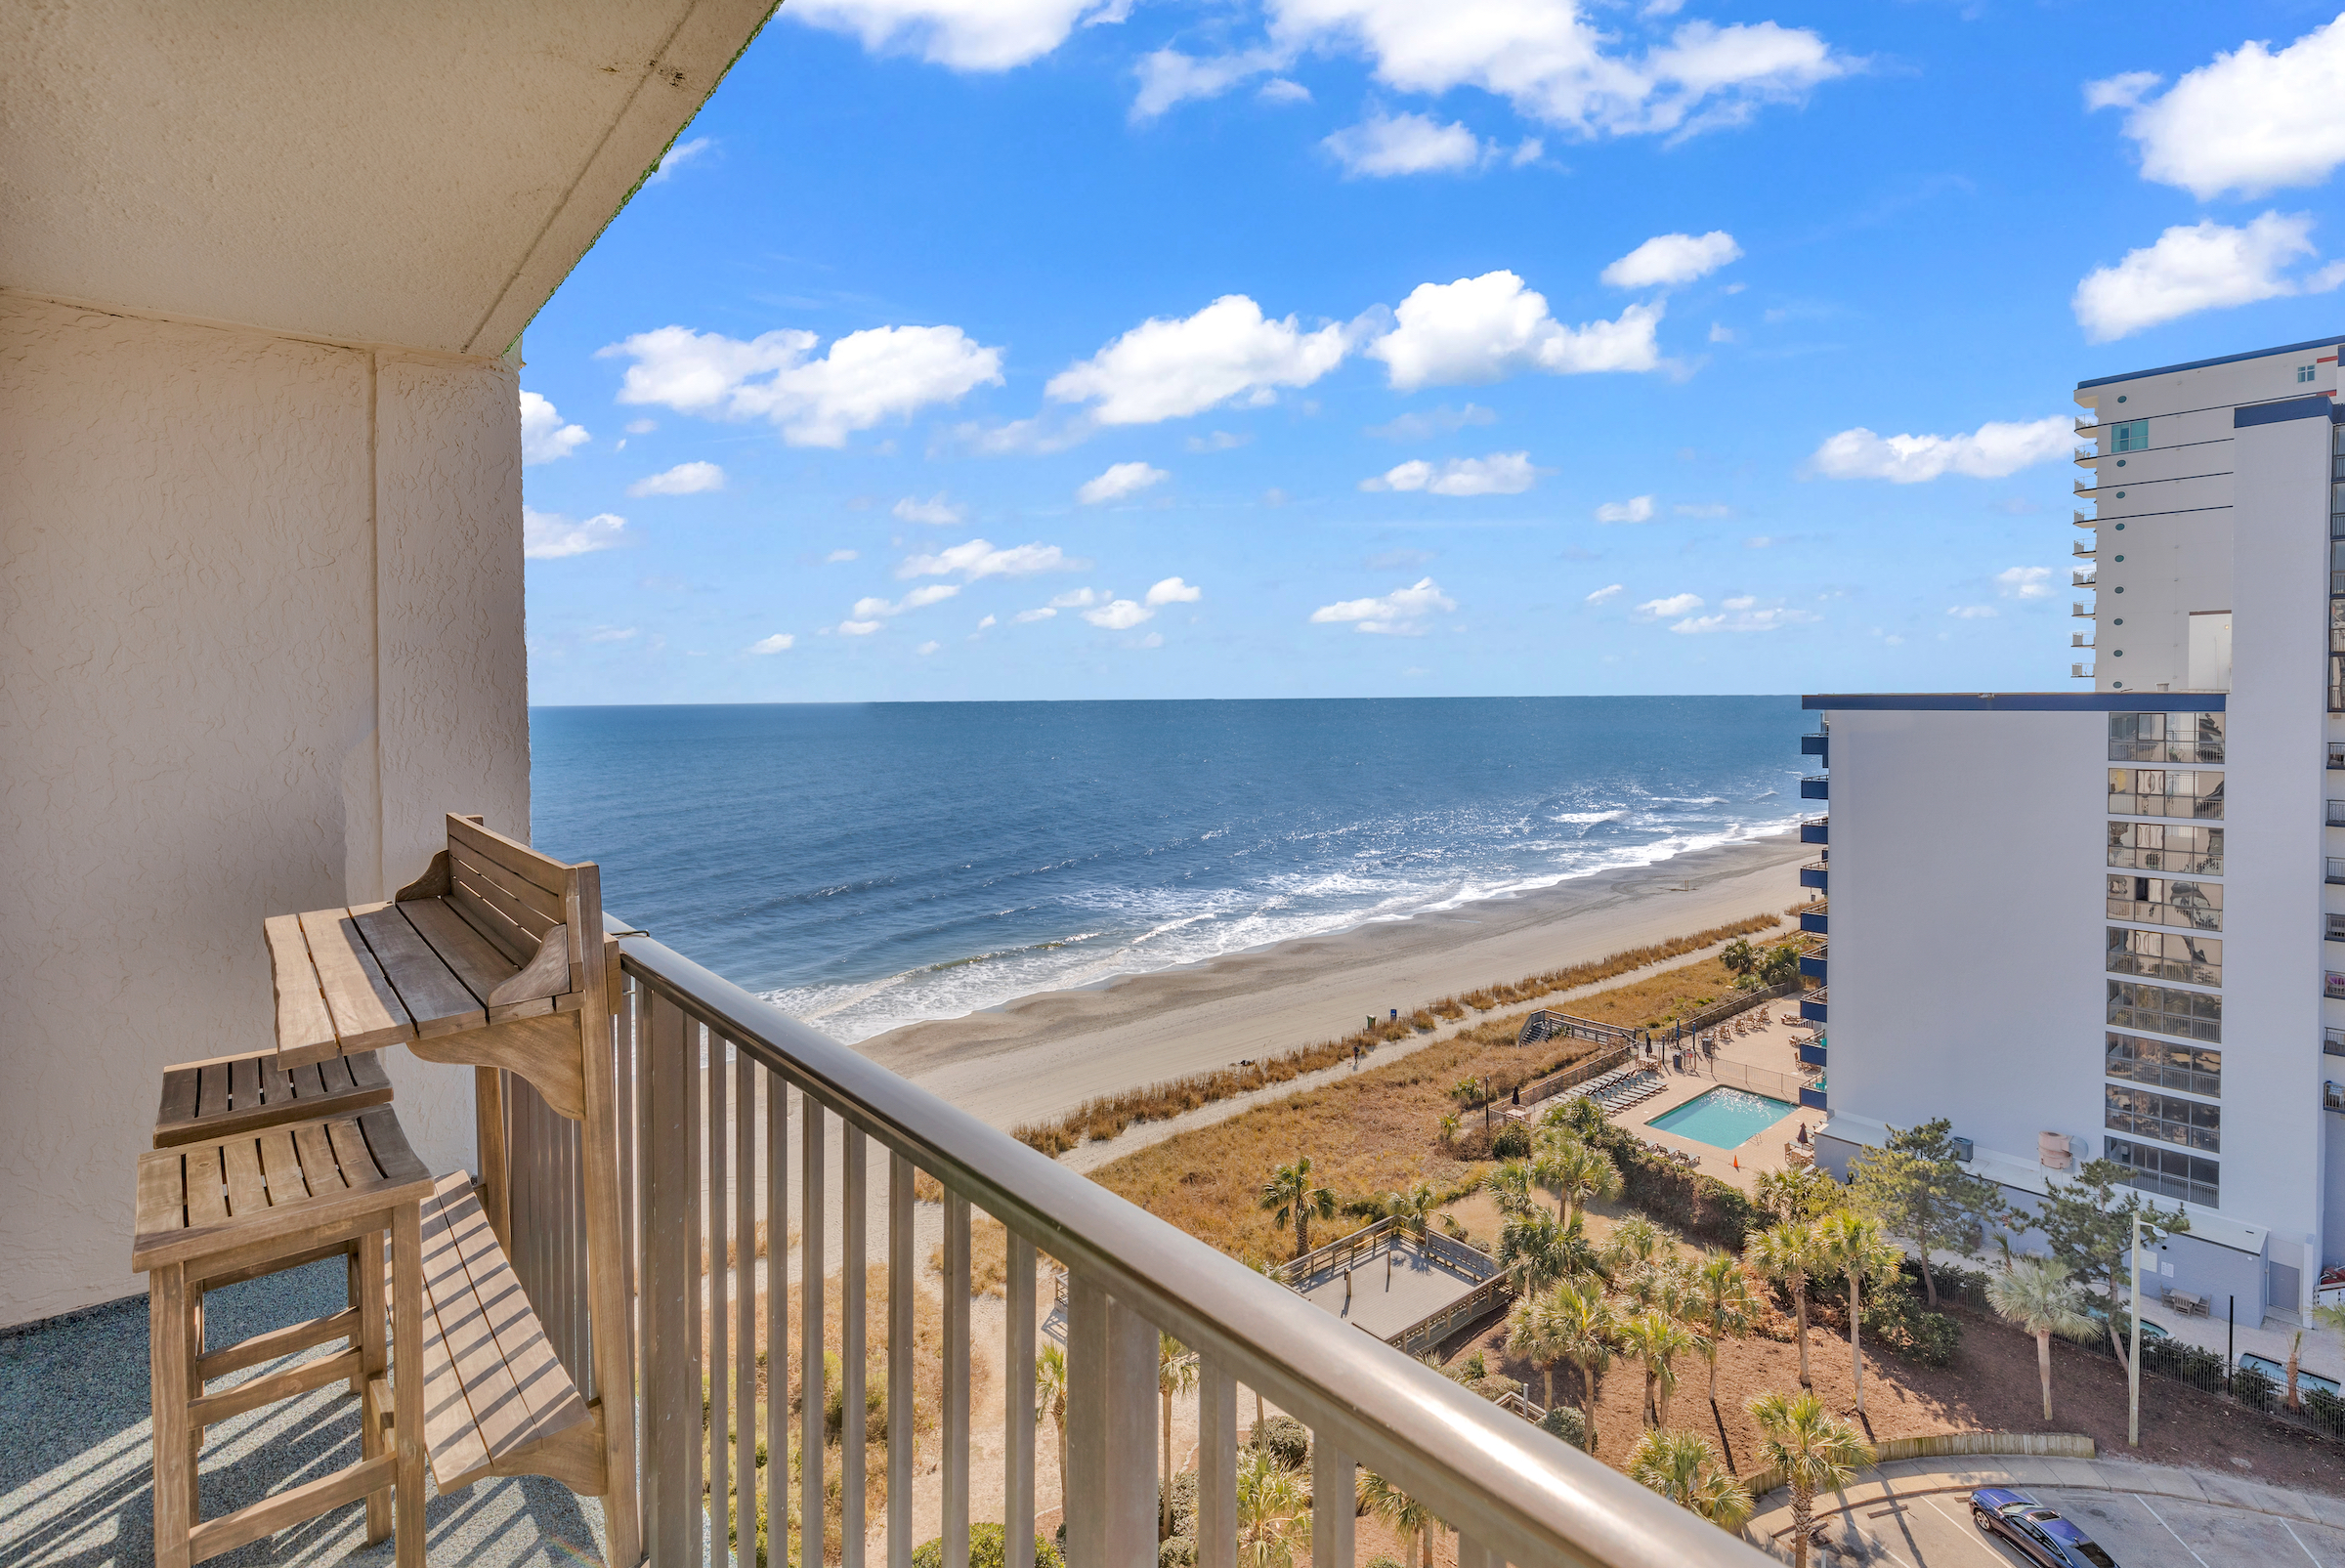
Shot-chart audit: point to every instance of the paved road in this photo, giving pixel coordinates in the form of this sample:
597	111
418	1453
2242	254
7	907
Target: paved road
1933	1530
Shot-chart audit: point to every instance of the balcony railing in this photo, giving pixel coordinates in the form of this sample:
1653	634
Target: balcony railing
2332	928
1815	786
2087	422
2078	607
2336	813
722	1098
1815	830
2082	579
1817	874
2085	456
2076	639
2079	518
2336	753
2336	871
2083	549
2332	1041
2077	672
2333	985
1811	964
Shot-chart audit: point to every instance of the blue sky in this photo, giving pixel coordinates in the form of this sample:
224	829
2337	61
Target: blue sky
1038	349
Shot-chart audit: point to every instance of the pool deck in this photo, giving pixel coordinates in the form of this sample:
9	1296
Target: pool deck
1769	1048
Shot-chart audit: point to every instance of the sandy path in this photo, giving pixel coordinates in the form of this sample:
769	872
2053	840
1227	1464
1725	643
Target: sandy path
1045	1054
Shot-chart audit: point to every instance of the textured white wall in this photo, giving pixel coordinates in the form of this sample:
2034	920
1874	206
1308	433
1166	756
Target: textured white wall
217	548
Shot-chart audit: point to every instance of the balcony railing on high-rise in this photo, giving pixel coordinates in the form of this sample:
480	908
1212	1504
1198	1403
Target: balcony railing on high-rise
723	1101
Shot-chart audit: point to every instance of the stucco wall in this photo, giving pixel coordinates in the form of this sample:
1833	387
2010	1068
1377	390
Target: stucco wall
260	625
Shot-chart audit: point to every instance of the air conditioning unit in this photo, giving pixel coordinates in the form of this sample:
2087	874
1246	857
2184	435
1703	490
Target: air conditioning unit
1962	1149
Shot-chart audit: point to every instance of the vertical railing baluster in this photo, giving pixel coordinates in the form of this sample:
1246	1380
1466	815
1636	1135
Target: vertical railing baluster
1217	1466
854	1270
672	1308
712	1074
745	1308
955	1421
1111	1430
899	1288
777	1321
1472	1553
1333	1509
811	1272
634	1118
1017	1408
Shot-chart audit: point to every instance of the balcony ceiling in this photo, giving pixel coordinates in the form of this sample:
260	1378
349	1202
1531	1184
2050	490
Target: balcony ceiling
422	175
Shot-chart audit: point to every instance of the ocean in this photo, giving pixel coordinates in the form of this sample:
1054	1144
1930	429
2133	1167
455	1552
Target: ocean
868	865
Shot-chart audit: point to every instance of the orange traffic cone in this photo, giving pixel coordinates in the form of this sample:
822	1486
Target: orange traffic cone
1739	1162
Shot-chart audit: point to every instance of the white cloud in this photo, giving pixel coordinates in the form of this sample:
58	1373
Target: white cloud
1720	332
780	642
837	556
543	435
2025	582
1166	368
934	593
978	558
1383	145
864	378
1121	481
2249	121
1488	327
2199	267
859	629
1604	595
1025	618
935	510
1677	604
1992	450
1401	613
987	624
1635	509
1743	613
1155	639
1218	440
964	34
926	649
1543	56
1669	259
1118	615
1039	435
1499	474
1174	591
611	634
685	479
1079	598
1972	611
642	427
1279	90
549	535
675	157
1435	422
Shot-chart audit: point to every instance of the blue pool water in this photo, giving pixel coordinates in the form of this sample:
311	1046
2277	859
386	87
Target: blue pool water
1723	1118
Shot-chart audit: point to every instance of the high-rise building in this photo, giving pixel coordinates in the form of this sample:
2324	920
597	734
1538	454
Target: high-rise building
2112	923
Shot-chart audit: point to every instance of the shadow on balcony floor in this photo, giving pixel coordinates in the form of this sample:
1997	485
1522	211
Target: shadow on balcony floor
76	1451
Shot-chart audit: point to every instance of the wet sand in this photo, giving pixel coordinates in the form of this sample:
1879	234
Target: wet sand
1042	1055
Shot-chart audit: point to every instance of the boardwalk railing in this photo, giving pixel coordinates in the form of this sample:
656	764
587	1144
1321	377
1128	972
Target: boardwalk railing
1361	1246
708	1151
1546	1025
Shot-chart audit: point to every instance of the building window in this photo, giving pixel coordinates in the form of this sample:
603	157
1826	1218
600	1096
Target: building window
2192	960
2304	372
2155	901
2159	847
2165	737
2165	792
2130	436
2170	1172
2167	1118
2191	1068
2186	1014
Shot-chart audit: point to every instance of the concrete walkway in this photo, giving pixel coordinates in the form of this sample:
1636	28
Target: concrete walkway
1917	1512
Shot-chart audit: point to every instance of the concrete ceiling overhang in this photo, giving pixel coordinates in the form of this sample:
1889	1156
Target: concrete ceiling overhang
415	174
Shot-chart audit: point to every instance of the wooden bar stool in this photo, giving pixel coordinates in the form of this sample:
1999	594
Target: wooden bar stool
210	1099
240	1205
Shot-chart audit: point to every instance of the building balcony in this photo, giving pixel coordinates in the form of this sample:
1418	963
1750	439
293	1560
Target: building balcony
2084	580
1815	830
1816	920
2332	928
2078	607
2086	486
2076	639
2333	985
2336	754
1812	1006
2078	673
1817	874
1812	1097
2086	423
2332	1096
1815	786
1811	964
2336	872
2336	812
1818	744
2332	1042
1811	1054
2078	517
2083	549
2085	456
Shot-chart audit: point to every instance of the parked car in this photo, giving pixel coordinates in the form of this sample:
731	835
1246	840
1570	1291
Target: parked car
2039	1535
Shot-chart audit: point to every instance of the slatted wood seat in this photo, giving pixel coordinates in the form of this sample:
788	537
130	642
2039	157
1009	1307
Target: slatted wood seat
495	1399
248	1091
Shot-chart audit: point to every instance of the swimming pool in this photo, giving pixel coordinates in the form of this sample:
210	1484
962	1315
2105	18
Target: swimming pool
1722	1117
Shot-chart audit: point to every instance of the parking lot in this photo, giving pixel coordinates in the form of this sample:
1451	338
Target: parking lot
1933	1530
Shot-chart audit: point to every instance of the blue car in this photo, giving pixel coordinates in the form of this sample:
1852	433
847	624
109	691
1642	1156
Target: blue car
2041	1535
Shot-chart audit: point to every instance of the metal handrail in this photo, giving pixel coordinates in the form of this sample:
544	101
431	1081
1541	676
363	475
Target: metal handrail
1514	1492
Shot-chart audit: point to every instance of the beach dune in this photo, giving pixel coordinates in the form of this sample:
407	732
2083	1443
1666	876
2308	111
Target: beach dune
1044	1054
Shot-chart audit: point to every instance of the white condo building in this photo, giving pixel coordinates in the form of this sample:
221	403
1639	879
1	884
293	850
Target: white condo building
2112	923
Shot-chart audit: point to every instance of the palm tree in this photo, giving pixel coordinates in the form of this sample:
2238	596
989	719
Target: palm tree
1290	1193
1795	1193
2038	1295
1575	1173
1684	1467
1786	1256
1726	1306
1175	1373
1811	1448
1411	1213
1657	1339
1511	1185
1542	1252
1634	1241
1409	1518
1051	1404
1584	1326
1271	1499
1534	1332
1851	1244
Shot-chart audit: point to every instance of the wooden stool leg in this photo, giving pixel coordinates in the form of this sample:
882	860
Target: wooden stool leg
169	1368
407	1378
356	1261
366	1290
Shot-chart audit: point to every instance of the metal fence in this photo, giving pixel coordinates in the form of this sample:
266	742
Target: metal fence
706	1152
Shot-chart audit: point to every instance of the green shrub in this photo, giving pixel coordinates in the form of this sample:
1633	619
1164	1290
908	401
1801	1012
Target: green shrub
1185	1502
985	1550
1512	1144
2251	1387
1286	1439
1384	1562
1896	1321
1566	1422
1177	1552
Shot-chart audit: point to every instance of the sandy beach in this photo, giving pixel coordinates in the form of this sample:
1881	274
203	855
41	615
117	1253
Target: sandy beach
1044	1054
